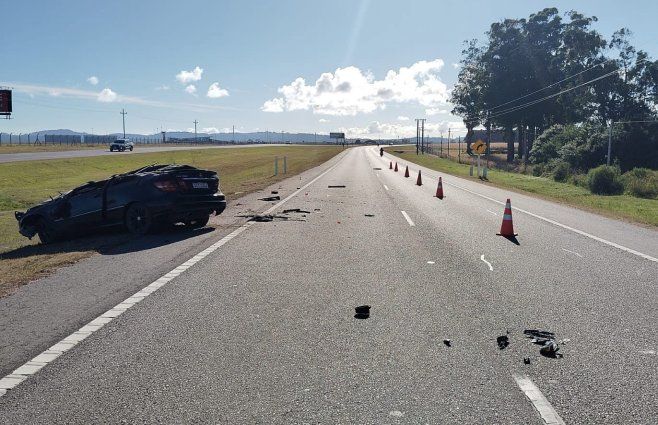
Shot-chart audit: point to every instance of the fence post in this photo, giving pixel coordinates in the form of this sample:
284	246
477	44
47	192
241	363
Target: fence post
285	165
276	165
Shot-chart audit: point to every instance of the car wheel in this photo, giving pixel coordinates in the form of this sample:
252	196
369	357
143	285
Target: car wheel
111	149
46	233
131	149
138	219
198	223
123	149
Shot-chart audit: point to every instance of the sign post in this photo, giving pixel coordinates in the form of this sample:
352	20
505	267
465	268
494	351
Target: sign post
479	147
338	136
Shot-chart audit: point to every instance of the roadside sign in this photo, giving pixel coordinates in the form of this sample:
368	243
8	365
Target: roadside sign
337	135
479	147
5	102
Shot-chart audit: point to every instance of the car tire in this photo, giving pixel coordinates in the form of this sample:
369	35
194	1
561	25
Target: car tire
46	234
138	219
122	149
111	149
131	149
198	223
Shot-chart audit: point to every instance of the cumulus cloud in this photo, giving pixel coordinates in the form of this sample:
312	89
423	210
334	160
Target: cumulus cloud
215	92
107	95
191	89
323	120
93	80
390	130
436	111
210	130
350	91
186	77
402	118
456	65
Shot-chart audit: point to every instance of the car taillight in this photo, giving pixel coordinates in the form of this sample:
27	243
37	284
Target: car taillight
166	185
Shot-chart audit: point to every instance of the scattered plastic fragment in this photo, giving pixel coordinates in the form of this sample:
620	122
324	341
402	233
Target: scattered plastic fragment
502	341
295	210
369	215
376	168
447	342
549	349
270	198
362	312
336	186
275	192
526	360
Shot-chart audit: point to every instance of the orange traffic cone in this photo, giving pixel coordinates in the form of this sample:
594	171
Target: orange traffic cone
507	228
439	189
396	167
406	173
419	181
390	165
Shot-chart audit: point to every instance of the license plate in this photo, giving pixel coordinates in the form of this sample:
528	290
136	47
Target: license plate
200	185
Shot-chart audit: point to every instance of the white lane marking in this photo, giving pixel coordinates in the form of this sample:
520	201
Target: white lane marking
486	262
406	216
545	409
573	252
386	187
33	366
496	214
430	262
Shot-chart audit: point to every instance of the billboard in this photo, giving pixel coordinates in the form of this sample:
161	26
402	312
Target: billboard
337	135
5	102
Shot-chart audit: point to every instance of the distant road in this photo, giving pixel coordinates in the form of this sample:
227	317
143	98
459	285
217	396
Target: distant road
37	156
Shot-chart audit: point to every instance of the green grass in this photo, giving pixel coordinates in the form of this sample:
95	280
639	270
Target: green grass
23	184
626	207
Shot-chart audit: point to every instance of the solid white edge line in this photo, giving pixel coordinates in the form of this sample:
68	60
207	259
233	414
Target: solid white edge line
406	216
555	223
386	187
32	366
541	404
486	262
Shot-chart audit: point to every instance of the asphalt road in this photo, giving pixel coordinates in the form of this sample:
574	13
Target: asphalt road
84	153
259	327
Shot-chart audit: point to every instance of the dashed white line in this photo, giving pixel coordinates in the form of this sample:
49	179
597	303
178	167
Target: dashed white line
33	366
545	409
486	262
386	187
573	252
406	216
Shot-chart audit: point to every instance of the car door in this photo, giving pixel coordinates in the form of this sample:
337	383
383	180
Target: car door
85	206
119	192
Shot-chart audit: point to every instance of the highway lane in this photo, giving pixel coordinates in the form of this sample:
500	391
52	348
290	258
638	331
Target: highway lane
85	153
261	330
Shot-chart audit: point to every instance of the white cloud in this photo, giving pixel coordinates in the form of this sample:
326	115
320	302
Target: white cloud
402	118
186	77
323	120
456	65
436	111
191	89
210	130
107	95
390	130
350	91
163	87
93	80
215	92
274	105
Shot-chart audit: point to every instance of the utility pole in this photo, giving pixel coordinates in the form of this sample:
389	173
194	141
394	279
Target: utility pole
422	134
448	143
233	133
417	136
609	143
195	123
123	116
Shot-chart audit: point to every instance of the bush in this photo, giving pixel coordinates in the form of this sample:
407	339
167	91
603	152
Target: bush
641	183
579	180
561	171
538	170
605	180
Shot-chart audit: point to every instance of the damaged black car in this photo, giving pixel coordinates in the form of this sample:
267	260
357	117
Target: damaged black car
142	200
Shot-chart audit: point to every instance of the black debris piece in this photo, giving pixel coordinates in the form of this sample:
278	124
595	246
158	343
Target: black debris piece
295	210
299	188
316	209
536	333
275	192
526	360
376	168
549	349
502	341
336	186
264	218
362	312
270	198
369	215
447	342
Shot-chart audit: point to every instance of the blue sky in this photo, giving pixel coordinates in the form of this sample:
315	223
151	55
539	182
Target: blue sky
143	55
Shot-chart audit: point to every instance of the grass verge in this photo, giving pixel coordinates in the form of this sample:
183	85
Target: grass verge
25	148
625	207
23	184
